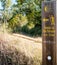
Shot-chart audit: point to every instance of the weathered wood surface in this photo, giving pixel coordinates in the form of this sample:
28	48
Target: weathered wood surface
49	32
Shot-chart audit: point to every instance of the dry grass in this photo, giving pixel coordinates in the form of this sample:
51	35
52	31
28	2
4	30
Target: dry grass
19	51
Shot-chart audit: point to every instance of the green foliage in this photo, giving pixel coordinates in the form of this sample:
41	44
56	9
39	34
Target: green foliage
25	16
6	4
32	9
16	22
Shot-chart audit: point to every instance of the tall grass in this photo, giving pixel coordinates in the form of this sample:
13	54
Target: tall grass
18	51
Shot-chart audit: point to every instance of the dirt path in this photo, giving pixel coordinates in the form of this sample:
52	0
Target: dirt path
38	39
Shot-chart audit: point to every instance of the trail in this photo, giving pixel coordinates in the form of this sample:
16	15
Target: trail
38	39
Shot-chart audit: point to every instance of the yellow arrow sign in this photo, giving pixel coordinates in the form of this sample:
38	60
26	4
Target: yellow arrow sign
45	8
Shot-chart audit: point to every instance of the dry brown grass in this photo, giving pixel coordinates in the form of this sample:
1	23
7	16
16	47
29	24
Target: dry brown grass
19	51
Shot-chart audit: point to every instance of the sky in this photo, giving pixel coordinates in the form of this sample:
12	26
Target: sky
0	6
13	2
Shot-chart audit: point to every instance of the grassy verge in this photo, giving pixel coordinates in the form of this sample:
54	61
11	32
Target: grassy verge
18	51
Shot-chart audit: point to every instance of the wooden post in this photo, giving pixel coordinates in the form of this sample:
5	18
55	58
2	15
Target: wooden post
49	32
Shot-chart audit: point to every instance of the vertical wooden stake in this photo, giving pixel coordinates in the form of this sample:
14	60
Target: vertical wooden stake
49	32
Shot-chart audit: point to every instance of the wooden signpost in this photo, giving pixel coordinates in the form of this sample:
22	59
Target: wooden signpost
49	32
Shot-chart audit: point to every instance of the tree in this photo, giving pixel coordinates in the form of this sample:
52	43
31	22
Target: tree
31	9
6	4
6	12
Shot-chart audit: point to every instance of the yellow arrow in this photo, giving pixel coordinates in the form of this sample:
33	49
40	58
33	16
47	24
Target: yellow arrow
46	8
52	19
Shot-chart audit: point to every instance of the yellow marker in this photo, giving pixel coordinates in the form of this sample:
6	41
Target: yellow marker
52	19
46	8
45	20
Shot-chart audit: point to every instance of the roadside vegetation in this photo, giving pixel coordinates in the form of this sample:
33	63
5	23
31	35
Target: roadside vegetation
15	50
21	17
